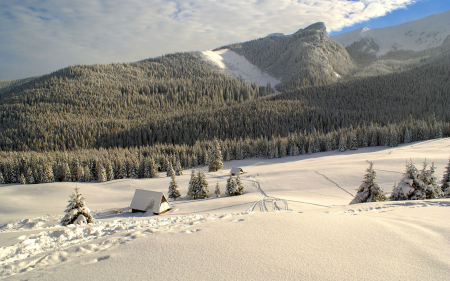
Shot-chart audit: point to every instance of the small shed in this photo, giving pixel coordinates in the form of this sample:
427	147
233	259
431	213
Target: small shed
235	171
146	200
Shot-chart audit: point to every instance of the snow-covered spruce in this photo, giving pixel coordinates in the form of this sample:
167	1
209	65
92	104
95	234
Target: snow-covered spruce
76	211
203	190
445	187
405	189
239	185
369	190
416	185
431	188
217	190
231	186
192	187
170	170
234	186
173	192
215	159
178	169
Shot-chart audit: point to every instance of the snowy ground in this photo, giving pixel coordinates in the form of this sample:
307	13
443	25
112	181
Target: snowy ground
321	237
238	66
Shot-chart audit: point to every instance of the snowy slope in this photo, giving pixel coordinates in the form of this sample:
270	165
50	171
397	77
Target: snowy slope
415	35
321	237
238	66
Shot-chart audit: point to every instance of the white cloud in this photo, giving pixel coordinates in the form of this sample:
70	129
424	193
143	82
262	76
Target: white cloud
38	37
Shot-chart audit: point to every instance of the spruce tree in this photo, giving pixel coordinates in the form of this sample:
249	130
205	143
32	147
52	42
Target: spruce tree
234	186
132	169
369	190
310	147
48	174
445	187
410	187
87	173
431	189
407	136
178	168
109	172
22	179
75	169
239	185
217	190
231	186
101	173
193	186
215	159
122	171
153	169
353	141
342	143
203	189
77	210
29	176
170	170
66	172
146	173
80	173
173	192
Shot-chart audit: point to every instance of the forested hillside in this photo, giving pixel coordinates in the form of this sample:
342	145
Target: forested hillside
71	108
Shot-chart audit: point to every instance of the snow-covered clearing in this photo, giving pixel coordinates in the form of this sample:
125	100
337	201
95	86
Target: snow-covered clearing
320	237
238	66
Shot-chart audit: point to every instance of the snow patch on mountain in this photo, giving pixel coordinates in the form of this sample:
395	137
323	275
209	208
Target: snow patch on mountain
238	66
418	35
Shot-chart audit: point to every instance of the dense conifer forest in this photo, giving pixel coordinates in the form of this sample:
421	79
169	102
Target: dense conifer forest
104	122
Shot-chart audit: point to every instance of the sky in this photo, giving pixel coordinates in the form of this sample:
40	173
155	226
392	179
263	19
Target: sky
41	36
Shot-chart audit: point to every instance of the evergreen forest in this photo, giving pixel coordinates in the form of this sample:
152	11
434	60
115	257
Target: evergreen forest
104	122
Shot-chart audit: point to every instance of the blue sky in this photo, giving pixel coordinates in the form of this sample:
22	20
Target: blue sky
412	12
42	36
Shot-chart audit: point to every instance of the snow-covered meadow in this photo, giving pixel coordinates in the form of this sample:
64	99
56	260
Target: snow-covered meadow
320	237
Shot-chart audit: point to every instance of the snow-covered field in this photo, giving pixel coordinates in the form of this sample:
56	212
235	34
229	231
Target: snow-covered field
238	66
320	237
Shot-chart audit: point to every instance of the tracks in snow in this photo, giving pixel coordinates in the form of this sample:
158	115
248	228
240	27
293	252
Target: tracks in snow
343	189
266	199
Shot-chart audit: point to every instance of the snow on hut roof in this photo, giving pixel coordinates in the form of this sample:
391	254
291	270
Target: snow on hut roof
236	170
145	200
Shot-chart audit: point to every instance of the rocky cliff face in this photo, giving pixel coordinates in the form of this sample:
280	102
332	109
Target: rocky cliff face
306	58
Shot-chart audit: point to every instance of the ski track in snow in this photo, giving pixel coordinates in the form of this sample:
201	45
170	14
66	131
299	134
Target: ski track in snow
51	247
335	184
266	199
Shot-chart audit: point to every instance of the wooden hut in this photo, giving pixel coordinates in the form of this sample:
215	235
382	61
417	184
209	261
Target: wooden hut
146	200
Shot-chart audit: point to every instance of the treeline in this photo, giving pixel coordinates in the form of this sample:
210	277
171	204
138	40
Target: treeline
147	162
417	94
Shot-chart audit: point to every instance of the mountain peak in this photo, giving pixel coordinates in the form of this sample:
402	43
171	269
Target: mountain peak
417	35
318	26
